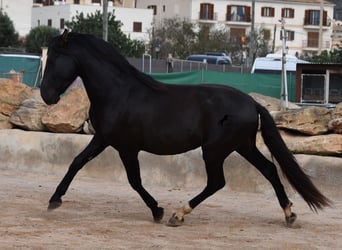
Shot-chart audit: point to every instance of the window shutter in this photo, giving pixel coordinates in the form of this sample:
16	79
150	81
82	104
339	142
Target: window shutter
211	11
307	17
248	13
325	19
229	12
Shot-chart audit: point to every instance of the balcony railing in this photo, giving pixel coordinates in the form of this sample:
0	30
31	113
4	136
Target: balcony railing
314	43
208	16
238	18
315	22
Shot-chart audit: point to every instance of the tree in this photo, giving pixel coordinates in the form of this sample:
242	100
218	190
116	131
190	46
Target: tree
39	37
92	24
334	56
182	38
174	36
8	35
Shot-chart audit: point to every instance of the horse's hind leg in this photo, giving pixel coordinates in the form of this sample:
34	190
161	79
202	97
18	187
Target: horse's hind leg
215	181
269	171
131	163
94	148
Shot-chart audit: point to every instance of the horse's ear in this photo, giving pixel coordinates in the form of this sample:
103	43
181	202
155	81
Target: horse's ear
65	36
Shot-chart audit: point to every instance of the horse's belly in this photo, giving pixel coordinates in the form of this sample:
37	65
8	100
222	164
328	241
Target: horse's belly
170	145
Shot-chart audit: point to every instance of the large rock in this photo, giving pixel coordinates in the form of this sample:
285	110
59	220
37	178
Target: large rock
4	122
335	124
308	120
12	94
29	115
330	144
270	103
69	114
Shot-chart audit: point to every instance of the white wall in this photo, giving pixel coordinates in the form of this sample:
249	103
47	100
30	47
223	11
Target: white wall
126	15
191	8
19	11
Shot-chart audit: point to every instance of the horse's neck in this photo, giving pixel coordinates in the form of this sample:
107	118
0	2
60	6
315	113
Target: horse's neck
105	88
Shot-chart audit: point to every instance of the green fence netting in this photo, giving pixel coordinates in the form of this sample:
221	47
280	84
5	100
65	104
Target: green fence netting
30	65
266	84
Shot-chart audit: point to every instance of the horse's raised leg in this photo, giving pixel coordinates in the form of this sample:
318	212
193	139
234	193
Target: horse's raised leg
95	147
269	171
215	181
131	163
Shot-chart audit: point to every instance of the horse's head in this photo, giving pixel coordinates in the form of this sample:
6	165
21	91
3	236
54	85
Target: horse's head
60	71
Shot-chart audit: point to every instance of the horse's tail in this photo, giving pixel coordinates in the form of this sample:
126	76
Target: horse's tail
288	164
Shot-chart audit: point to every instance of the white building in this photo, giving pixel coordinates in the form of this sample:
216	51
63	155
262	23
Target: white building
136	23
19	11
302	19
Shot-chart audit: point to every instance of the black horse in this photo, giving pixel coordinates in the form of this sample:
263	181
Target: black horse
131	111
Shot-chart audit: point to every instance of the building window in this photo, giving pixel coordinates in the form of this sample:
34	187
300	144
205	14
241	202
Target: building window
267	12
61	23
154	7
76	1
237	35
238	13
289	35
313	39
266	34
164	8
48	2
49	22
96	1
137	26
206	11
312	17
38	22
287	13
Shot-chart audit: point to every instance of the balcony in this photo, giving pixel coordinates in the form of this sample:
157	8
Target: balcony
238	19
207	17
313	23
313	45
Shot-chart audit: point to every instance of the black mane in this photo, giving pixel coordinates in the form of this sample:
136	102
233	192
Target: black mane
108	53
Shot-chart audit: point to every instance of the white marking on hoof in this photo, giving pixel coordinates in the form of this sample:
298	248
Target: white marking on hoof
186	209
287	210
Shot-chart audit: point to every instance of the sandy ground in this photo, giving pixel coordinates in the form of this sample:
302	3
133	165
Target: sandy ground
99	214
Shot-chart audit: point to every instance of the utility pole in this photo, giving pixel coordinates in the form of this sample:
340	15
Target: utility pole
284	103
251	37
320	36
105	20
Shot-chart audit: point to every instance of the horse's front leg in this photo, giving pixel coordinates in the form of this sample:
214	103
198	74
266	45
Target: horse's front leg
131	163
95	147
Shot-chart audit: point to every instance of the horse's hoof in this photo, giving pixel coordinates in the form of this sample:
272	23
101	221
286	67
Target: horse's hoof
158	214
290	219
54	204
174	221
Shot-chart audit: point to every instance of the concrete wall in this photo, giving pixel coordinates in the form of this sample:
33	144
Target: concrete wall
51	154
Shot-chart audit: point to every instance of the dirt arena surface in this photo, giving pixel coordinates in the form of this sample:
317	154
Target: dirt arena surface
99	214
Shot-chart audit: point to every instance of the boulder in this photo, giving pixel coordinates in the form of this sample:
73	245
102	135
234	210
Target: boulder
12	94
69	114
324	145
4	122
330	144
335	124
29	115
308	120
270	103
337	112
